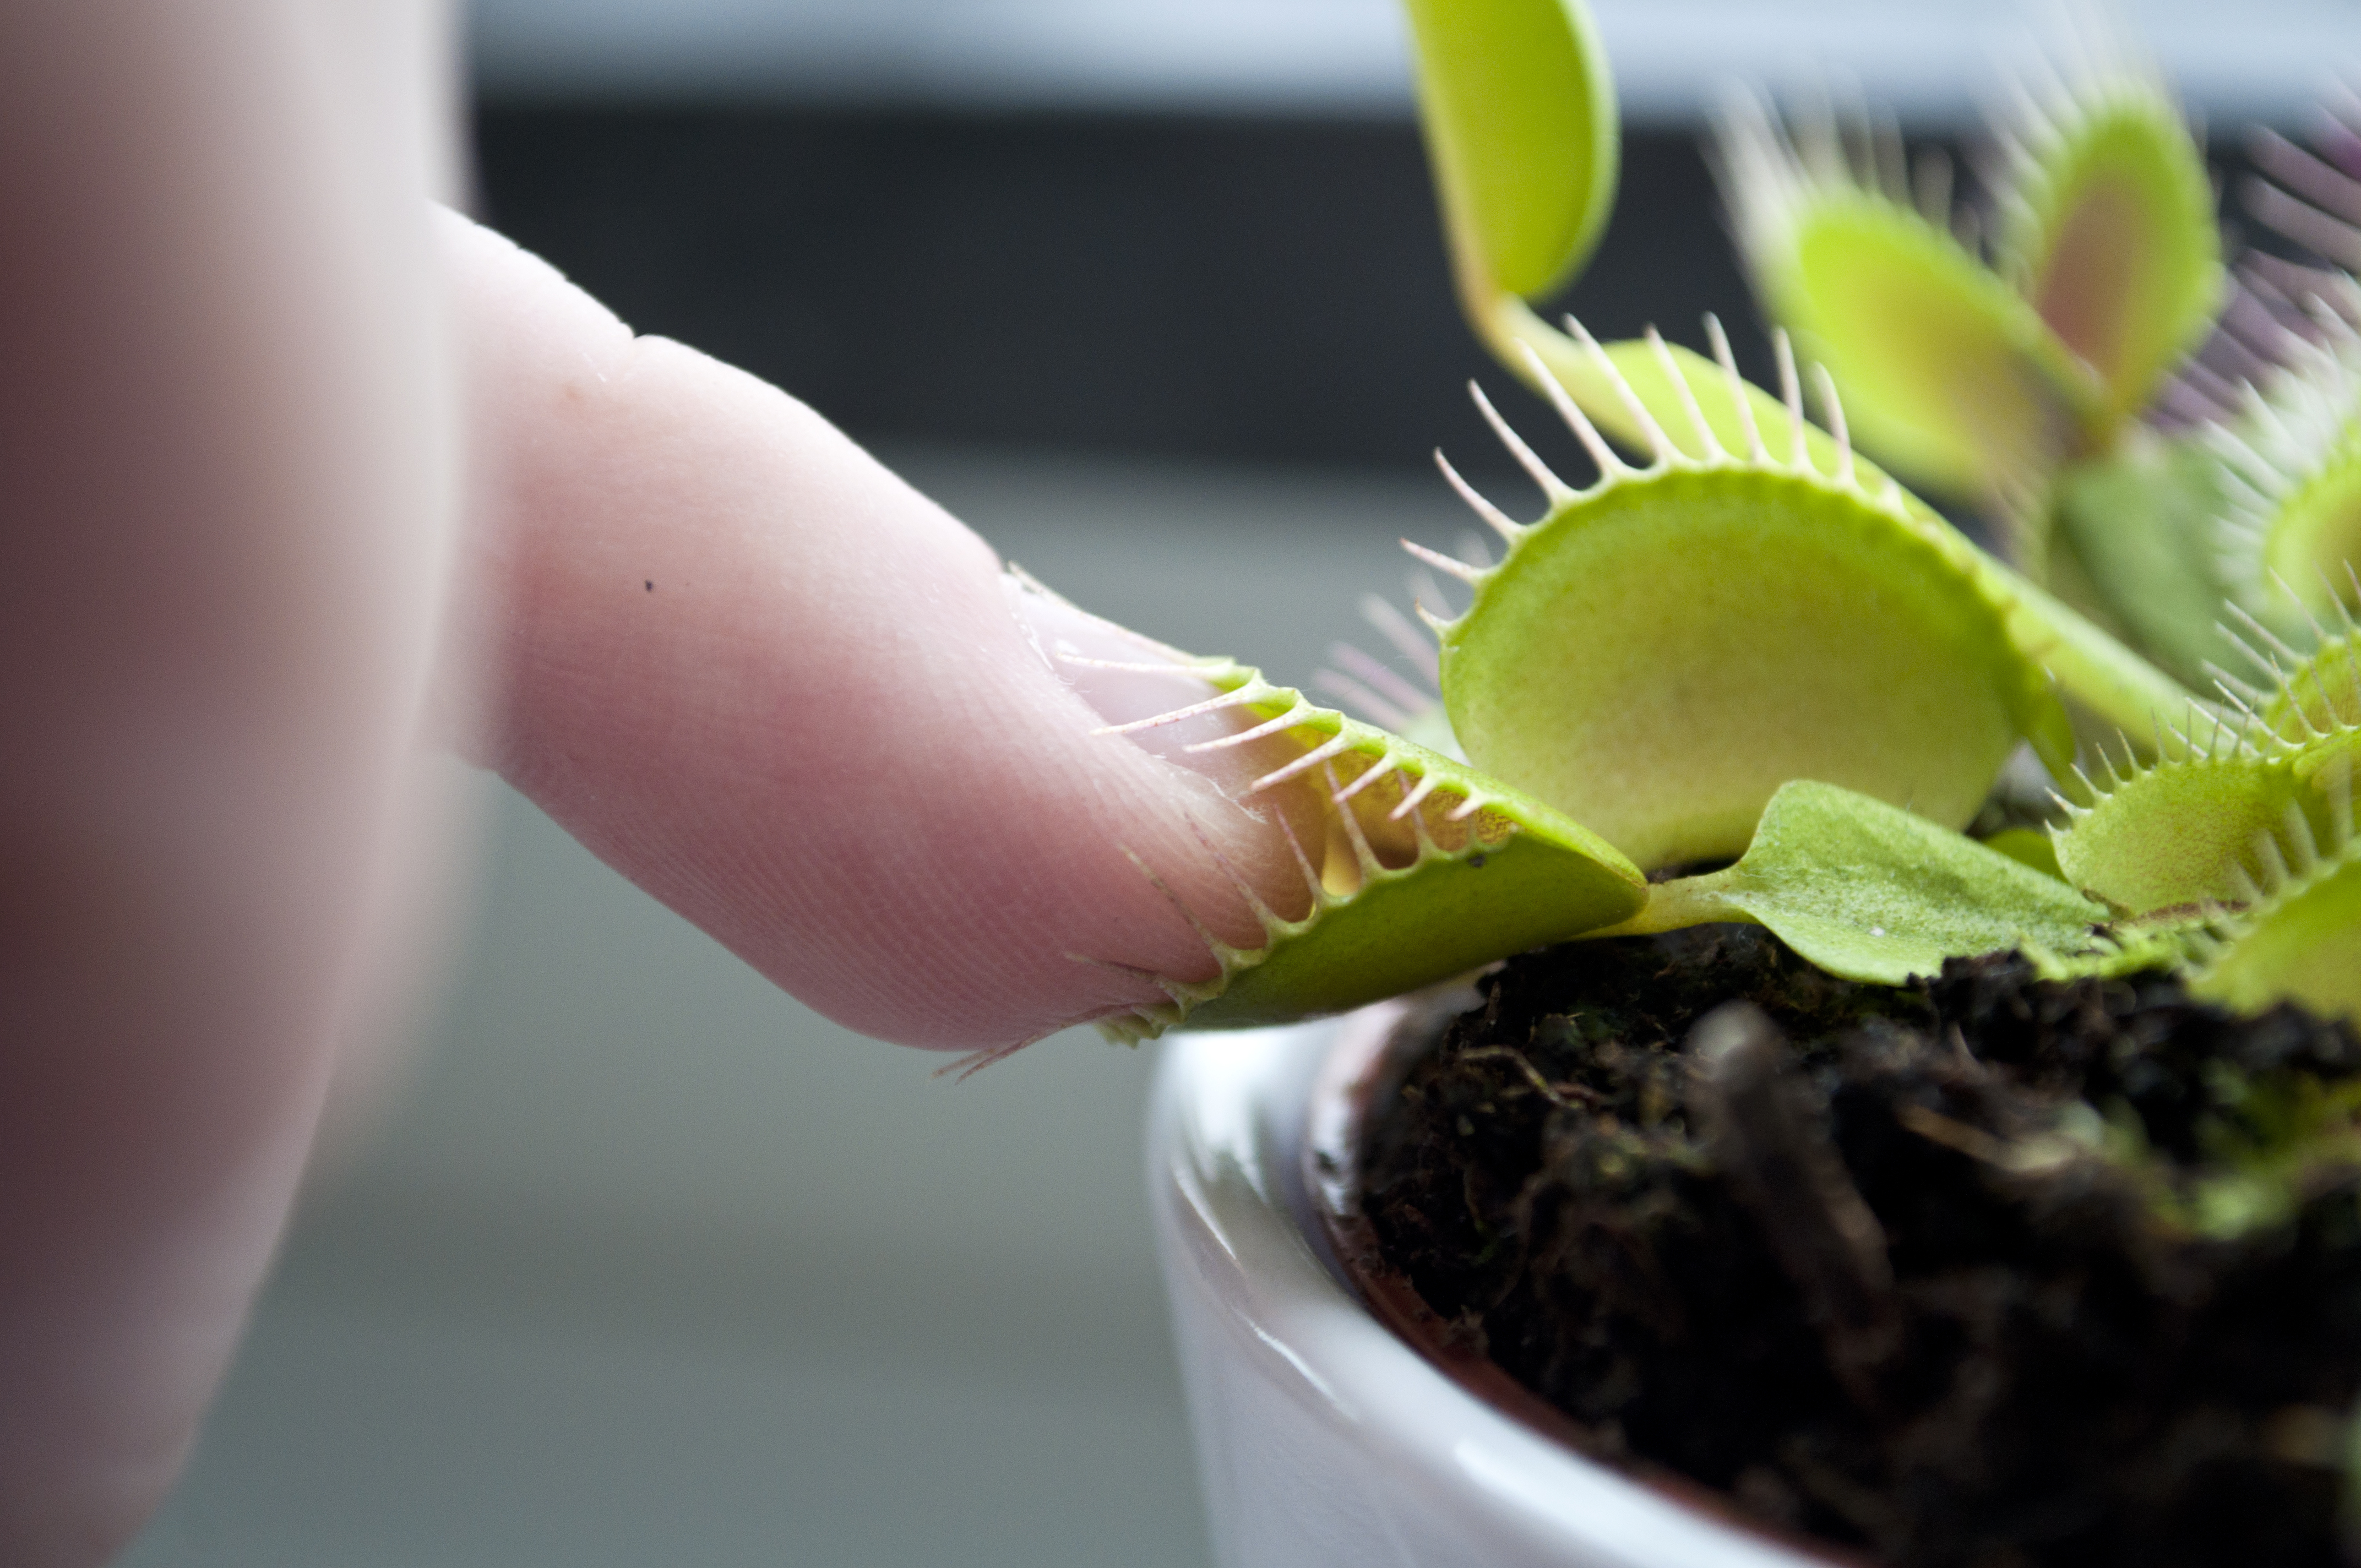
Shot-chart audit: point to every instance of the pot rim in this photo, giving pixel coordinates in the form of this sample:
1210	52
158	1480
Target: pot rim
1365	1065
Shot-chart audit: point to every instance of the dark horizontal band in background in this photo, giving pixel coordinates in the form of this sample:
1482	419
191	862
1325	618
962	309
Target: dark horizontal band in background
1211	287
1217	288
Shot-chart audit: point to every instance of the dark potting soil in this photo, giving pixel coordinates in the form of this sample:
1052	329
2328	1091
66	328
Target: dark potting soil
1986	1271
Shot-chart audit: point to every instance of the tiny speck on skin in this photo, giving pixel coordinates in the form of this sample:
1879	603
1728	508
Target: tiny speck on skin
650	586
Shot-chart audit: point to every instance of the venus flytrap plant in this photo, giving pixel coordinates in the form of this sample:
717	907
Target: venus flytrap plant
1748	662
1932	1260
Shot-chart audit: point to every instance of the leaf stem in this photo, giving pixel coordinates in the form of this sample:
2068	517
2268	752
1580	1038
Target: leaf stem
1677	905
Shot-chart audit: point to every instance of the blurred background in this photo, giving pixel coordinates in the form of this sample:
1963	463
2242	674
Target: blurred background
647	1264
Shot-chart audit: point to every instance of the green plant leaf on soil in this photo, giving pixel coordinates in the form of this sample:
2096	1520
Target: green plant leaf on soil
2090	665
2106	226
1517	106
1950	376
2185	838
2302	944
1873	892
1662	652
1421	869
2136	545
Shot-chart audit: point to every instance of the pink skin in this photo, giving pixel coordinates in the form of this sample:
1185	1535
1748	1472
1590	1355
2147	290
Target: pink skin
228	423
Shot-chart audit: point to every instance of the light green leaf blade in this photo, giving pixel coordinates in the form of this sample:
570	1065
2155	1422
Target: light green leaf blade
1420	869
1519	110
1873	892
2106	226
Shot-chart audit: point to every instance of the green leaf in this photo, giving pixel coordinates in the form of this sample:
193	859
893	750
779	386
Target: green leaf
2106	226
1872	893
1518	111
1419	869
1661	653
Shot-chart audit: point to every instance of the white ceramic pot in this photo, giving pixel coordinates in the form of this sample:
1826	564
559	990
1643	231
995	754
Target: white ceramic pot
1323	1437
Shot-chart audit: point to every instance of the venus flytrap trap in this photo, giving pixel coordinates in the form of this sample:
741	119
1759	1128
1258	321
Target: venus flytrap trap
1660	652
1956	378
2105	223
2173	840
1422	867
2298	939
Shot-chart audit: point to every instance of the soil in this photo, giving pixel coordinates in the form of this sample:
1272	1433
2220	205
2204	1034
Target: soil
1989	1271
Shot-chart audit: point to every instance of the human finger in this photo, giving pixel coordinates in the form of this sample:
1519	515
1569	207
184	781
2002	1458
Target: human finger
790	697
